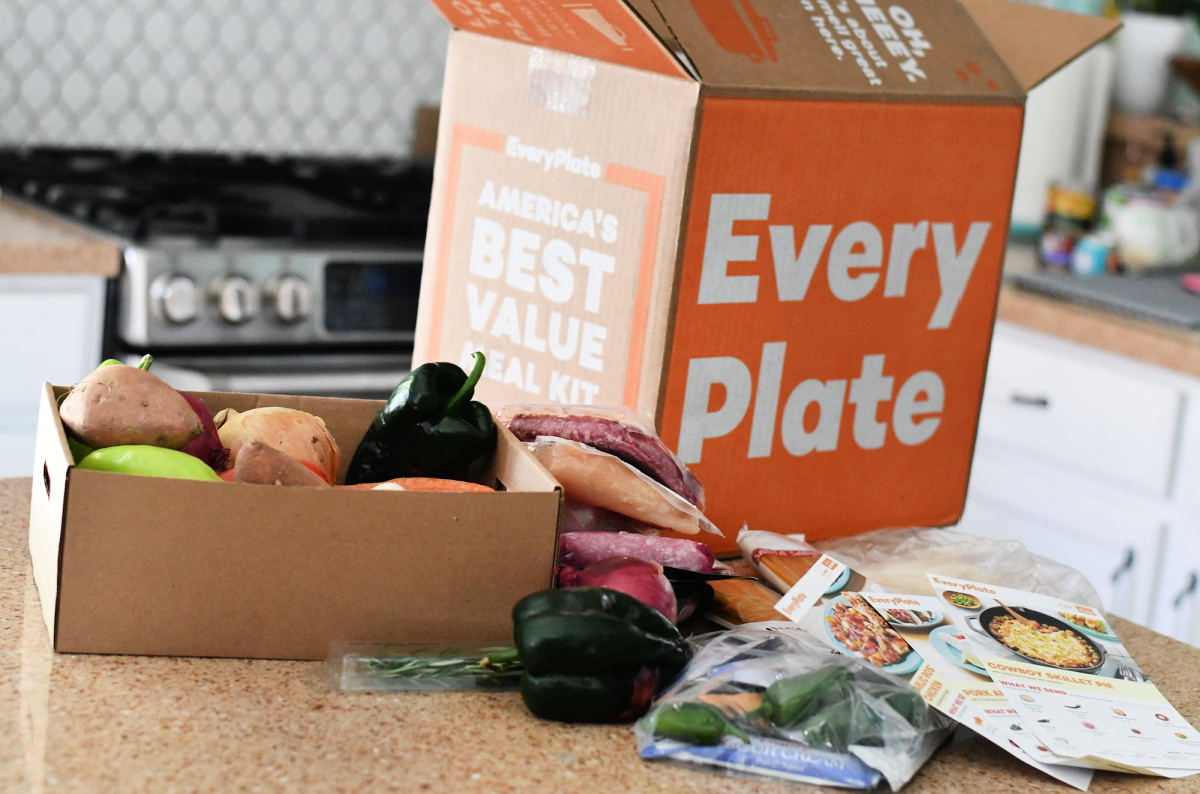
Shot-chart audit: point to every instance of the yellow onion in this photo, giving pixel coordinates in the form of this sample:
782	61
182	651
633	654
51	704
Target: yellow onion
296	433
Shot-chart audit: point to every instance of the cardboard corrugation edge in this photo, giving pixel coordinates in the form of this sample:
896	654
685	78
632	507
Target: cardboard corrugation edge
47	512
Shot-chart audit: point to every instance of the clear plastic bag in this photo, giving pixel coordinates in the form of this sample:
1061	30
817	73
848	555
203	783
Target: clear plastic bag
781	703
898	559
624	432
597	478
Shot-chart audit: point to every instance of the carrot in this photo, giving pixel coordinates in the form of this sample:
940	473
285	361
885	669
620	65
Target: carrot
426	484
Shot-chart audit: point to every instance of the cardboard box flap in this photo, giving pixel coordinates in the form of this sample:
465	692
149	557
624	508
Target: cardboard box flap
605	30
922	49
1036	42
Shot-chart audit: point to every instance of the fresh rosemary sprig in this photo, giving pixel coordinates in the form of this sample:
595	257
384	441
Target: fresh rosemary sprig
495	667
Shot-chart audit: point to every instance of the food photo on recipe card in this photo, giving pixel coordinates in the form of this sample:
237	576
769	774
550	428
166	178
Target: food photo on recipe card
1065	672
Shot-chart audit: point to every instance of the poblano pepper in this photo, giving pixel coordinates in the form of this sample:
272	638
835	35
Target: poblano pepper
430	427
593	655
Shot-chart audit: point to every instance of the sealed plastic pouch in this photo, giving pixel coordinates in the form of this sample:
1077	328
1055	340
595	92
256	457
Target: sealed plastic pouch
780	703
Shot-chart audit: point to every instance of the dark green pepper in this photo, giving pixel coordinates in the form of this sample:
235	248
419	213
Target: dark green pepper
149	461
594	599
694	722
906	702
590	643
789	700
429	427
587	698
593	654
829	727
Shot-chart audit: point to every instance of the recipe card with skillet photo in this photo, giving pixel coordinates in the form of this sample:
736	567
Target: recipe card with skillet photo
952	681
1065	671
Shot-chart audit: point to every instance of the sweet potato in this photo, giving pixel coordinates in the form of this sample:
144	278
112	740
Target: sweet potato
119	404
260	464
296	433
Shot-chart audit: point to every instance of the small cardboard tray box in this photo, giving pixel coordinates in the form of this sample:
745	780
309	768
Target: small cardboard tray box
158	566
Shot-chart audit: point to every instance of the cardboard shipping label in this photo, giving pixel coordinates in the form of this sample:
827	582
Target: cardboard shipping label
835	308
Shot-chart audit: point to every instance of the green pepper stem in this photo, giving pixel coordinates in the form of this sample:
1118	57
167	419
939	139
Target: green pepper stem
463	394
145	363
506	656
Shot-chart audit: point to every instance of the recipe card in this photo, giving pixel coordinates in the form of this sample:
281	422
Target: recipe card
902	634
1063	669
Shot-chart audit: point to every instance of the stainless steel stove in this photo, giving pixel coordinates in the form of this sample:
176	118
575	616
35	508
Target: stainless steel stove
249	274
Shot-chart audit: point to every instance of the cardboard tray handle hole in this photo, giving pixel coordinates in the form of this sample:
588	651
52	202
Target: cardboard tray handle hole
46	478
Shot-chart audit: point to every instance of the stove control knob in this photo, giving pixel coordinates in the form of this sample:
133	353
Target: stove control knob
174	298
291	298
236	298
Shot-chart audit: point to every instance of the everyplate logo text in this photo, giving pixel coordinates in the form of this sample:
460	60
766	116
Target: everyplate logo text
850	263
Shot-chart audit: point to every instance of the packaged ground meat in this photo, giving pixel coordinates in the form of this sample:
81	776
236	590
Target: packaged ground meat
617	431
597	478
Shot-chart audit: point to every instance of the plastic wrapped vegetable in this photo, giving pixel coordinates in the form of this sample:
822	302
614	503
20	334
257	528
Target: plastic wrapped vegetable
593	655
778	703
430	427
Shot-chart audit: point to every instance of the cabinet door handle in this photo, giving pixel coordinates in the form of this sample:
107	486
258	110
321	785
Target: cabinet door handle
1125	567
1029	400
1188	590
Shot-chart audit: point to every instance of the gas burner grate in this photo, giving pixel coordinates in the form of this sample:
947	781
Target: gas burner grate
143	196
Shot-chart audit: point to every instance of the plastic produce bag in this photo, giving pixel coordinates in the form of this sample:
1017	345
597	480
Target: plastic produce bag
781	703
897	560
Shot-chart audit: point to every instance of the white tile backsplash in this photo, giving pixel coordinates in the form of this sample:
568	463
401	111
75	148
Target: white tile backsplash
316	77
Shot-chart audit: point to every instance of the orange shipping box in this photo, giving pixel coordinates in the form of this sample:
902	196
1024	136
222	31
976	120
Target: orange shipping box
776	226
157	566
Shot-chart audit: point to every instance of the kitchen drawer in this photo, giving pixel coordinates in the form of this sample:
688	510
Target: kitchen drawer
1075	410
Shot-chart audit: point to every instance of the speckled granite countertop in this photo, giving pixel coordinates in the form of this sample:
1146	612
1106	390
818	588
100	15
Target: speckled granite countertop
141	724
33	242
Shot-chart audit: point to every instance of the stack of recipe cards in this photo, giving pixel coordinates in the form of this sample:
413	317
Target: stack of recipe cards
1045	679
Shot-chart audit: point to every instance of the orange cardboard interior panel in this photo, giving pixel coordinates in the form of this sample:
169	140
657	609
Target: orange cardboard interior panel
553	234
835	310
606	30
1036	42
147	565
916	50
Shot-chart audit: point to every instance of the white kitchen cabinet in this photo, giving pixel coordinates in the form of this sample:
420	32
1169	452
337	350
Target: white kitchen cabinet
50	330
1088	458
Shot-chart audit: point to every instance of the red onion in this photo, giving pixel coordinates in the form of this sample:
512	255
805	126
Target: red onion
642	579
207	446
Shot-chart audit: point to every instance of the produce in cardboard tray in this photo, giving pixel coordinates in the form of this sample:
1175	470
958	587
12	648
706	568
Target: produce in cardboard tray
593	655
429	427
296	433
148	461
259	464
207	446
118	405
612	430
641	579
